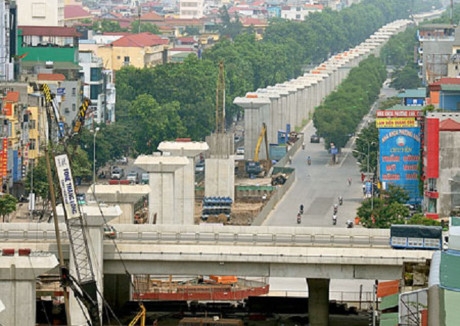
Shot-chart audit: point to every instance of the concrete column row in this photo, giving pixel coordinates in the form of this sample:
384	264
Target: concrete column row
293	102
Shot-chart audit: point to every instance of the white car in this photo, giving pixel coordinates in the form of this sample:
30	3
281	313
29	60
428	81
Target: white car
240	151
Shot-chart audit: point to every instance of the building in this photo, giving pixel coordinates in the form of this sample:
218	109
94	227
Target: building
138	50
299	12
40	12
189	9
99	87
6	64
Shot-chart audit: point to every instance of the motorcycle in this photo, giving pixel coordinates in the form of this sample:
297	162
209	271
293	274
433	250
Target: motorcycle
340	200
309	161
349	224
336	209
301	209
299	218
334	219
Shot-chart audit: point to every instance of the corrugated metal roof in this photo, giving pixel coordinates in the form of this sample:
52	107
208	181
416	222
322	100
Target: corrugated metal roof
390	319
419	92
450	87
449	267
49	31
389	301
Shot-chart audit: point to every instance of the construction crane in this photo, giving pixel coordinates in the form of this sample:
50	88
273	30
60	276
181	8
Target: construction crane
220	100
84	284
255	167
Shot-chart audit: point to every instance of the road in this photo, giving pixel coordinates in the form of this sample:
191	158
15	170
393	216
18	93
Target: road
317	187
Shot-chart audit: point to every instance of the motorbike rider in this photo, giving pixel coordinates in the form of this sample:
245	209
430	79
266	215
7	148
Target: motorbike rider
334	219
301	209
299	218
309	160
336	208
340	200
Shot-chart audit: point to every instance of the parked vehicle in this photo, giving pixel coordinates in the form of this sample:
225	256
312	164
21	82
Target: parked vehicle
117	173
133	177
314	139
145	178
199	167
240	151
404	236
110	232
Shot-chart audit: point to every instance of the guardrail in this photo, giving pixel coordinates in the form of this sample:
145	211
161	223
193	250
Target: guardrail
215	234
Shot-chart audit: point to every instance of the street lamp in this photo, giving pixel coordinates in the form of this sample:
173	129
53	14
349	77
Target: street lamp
367	160
94	154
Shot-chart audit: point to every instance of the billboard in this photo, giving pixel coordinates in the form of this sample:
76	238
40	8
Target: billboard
67	187
399	159
395	122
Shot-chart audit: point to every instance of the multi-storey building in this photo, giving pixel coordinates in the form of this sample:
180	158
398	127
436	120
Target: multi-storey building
6	63
98	87
40	12
189	9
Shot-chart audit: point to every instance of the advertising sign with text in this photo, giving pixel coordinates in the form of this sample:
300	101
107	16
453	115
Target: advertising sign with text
67	187
399	158
395	122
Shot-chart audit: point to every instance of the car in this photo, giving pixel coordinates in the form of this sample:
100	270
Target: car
199	167
110	232
122	160
133	177
145	178
117	173
81	199
240	151
314	139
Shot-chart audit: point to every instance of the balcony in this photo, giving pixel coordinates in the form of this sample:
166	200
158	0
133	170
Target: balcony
420	62
420	50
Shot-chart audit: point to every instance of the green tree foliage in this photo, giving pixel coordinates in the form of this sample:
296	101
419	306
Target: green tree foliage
106	25
381	212
229	27
192	30
7	205
288	47
139	27
367	143
399	51
406	78
338	117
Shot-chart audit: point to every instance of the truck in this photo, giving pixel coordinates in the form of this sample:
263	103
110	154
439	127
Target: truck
405	236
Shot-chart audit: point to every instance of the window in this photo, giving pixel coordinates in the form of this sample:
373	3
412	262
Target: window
32	144
94	91
74	91
95	74
126	59
74	107
32	124
297	16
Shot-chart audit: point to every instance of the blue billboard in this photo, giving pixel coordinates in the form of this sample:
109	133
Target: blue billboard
399	159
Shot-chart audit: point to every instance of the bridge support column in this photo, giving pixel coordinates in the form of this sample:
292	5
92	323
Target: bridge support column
318	301
18	273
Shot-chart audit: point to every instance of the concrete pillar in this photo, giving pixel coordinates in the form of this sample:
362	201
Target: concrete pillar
318	301
219	172
163	196
271	122
17	286
117	290
254	107
184	178
282	112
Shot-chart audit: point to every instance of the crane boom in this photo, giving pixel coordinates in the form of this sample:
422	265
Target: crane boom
262	136
84	285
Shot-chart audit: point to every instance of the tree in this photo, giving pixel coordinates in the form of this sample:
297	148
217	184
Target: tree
139	27
7	205
368	139
386	210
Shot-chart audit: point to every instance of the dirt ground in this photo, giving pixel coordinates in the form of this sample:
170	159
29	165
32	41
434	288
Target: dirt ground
244	210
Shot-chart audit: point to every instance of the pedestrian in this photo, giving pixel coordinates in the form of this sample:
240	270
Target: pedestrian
363	177
349	181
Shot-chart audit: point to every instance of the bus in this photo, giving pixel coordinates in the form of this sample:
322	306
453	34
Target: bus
404	236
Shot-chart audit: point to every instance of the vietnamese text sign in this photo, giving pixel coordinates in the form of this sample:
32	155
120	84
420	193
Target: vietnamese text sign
395	122
67	188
